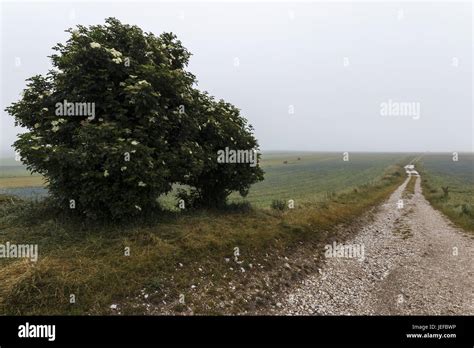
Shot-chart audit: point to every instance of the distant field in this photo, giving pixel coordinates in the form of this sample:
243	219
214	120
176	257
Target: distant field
305	177
438	171
316	175
308	177
16	180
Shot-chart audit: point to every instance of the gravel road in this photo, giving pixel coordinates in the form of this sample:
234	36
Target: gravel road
415	262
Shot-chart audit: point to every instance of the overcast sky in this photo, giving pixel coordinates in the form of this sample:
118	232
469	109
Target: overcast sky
308	75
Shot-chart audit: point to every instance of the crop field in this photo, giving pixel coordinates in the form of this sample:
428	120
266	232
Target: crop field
307	177
449	186
300	176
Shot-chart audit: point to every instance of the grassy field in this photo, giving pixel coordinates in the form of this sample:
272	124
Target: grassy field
301	176
315	176
189	254
449	186
309	177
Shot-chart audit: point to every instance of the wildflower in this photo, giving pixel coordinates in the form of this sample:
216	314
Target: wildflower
143	83
106	173
115	53
95	45
134	142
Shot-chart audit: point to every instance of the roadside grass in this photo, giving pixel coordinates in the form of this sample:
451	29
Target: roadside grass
449	187
171	255
410	187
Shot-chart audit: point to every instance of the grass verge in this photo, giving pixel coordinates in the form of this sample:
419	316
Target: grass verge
410	187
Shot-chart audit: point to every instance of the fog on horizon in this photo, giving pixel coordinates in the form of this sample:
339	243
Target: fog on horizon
308	76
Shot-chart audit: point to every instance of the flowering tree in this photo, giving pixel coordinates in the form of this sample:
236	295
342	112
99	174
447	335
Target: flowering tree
222	130
110	125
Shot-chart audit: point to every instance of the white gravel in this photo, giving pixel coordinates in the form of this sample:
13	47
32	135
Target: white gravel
416	262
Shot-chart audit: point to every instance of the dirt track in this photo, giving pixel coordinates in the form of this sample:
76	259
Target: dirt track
415	262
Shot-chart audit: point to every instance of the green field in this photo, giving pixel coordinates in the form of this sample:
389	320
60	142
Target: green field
305	177
316	175
457	178
185	252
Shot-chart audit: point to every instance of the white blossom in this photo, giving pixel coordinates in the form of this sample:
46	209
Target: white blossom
115	53
95	45
144	83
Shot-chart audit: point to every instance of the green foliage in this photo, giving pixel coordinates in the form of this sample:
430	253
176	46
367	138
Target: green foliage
151	127
220	126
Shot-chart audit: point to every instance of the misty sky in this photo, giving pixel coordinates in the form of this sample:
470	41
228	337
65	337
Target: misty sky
333	64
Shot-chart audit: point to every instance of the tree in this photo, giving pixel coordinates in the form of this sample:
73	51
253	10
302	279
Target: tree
221	127
110	125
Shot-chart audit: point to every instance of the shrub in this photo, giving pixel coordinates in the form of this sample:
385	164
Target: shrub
221	127
140	134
